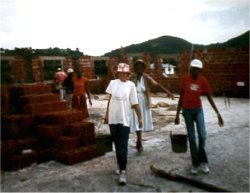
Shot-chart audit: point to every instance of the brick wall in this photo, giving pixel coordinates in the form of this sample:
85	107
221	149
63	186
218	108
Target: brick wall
37	69
18	69
86	64
112	67
68	63
226	70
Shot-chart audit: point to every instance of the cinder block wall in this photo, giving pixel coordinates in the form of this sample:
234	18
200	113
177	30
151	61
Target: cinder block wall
226	69
37	69
18	69
87	66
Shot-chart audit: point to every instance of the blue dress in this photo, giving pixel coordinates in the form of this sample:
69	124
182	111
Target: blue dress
146	113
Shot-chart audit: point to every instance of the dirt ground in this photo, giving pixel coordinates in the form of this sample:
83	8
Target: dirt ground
227	149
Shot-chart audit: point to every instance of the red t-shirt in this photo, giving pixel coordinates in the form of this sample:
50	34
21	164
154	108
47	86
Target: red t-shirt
192	89
79	86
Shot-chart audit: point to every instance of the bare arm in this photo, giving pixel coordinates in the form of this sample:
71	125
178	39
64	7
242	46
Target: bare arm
211	101
107	111
155	83
138	113
170	95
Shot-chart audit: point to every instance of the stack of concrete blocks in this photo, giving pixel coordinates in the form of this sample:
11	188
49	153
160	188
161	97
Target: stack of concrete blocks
43	129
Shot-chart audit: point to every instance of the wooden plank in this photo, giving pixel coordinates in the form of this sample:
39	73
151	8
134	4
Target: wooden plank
187	180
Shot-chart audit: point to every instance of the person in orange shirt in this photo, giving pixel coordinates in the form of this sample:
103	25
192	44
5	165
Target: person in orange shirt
192	86
80	89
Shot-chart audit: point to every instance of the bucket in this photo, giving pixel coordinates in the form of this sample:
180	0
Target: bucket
104	144
103	138
178	142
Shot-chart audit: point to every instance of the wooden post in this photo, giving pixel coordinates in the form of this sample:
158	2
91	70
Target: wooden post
191	181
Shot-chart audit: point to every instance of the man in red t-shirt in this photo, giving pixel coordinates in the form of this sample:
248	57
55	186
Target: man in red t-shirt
192	86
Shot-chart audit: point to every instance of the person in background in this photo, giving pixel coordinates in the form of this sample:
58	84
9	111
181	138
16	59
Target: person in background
68	84
192	86
60	76
144	83
122	96
80	89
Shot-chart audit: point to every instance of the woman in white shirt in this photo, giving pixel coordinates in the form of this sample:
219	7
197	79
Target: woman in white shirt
122	98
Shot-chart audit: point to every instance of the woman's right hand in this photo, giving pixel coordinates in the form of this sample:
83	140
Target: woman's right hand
140	123
105	119
177	120
170	95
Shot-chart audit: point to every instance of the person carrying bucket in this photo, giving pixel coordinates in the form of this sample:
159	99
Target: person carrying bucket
192	86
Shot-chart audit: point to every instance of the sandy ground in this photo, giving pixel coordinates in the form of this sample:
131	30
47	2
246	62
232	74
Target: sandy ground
227	148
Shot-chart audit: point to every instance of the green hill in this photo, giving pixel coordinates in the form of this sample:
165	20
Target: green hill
173	45
241	41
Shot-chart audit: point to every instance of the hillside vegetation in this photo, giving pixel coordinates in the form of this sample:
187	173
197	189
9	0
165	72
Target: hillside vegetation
173	45
160	45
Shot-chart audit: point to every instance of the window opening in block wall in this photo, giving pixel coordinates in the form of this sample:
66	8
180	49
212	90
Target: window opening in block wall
100	68
6	72
50	68
169	67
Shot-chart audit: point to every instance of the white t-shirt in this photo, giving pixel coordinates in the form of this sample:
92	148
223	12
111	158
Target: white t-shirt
123	97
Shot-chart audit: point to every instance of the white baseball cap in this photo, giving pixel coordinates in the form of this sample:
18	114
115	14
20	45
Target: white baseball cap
196	63
70	70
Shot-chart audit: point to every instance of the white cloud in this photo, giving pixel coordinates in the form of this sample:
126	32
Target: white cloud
97	26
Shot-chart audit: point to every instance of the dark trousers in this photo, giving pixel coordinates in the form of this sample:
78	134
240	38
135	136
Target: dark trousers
196	117
120	136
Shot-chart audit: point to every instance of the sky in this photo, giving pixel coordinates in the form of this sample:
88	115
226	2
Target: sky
96	27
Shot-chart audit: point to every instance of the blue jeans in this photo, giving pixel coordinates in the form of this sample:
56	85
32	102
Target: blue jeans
120	136
198	153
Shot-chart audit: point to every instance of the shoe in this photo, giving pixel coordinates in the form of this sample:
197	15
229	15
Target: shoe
122	178
205	168
117	172
194	170
139	147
